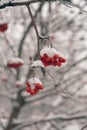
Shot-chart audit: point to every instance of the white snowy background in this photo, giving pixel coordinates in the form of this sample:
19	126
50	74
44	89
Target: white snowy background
69	28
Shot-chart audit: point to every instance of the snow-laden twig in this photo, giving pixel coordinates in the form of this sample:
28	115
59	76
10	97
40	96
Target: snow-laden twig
28	122
65	2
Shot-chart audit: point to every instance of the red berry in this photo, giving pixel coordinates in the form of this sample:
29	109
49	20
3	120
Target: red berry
52	60
59	63
48	59
28	89
55	63
3	27
33	92
44	61
41	58
36	89
39	86
14	65
50	63
28	84
62	60
45	55
56	56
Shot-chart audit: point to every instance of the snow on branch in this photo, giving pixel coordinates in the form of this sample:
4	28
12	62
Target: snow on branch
12	4
28	122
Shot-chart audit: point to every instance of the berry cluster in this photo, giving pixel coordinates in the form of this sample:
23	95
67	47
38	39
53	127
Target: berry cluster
34	85
3	27
15	63
50	56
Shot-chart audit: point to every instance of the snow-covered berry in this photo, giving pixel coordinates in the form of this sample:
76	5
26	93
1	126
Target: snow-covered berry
50	56
34	85
15	63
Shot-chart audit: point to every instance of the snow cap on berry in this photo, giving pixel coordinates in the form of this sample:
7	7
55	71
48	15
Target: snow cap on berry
50	56
37	63
34	80
34	85
15	62
49	51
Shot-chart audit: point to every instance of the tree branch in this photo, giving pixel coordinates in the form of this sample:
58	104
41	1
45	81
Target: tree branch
35	27
28	122
83	128
10	4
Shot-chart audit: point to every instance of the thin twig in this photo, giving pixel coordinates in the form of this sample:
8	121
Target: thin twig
27	31
35	27
51	76
7	41
83	128
55	125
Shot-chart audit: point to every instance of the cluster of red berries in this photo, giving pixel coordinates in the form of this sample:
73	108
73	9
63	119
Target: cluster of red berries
34	85
3	27
56	60
15	63
51	57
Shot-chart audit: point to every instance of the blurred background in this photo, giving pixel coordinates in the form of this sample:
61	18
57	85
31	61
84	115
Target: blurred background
50	109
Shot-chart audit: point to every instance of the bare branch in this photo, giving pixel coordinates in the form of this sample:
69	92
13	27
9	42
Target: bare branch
35	27
10	4
83	128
